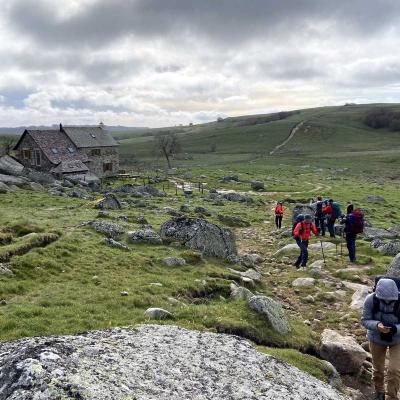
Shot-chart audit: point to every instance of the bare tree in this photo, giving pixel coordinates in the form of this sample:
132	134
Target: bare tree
168	145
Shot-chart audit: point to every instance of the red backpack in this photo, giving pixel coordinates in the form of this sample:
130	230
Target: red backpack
357	226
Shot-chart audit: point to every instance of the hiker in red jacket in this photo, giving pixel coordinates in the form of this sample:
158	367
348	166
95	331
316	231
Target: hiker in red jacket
279	211
302	233
330	218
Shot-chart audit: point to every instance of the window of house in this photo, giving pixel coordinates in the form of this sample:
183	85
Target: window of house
107	167
26	154
95	152
37	158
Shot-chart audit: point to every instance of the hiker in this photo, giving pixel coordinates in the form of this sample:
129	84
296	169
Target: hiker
331	212
302	233
380	317
279	211
354	224
319	216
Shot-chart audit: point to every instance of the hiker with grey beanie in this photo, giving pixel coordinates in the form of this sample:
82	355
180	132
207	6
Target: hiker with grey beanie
381	318
301	233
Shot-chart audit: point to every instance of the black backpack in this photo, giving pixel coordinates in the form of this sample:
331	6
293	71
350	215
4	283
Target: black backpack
318	212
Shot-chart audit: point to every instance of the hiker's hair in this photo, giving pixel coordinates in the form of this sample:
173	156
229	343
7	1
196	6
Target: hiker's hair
350	208
319	198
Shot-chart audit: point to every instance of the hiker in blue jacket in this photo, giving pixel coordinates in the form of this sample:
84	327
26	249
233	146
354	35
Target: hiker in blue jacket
380	317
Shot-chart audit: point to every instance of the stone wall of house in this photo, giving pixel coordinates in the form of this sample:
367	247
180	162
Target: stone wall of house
98	162
28	143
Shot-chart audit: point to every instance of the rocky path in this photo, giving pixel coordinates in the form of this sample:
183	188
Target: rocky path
288	139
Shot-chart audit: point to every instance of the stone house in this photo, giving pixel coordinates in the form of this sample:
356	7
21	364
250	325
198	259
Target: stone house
69	150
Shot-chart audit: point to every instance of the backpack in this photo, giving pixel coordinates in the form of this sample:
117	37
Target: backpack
336	211
376	301
318	212
357	226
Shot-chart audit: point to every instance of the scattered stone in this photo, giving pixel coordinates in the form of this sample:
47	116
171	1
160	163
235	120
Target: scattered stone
110	202
158	313
198	234
108	228
378	233
325	245
391	248
201	210
34	186
273	312
240	292
233	220
248	281
342	351
3	303
289	248
309	299
10	166
124	294
158	284
394	267
139	190
303	282
79	194
230	178
376	243
174	261
113	243
184	208
374	199
146	235
237	197
252	274
5	271
257	185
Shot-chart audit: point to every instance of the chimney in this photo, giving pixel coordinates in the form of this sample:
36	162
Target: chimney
61	127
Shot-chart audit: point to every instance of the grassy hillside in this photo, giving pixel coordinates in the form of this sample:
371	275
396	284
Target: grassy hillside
327	132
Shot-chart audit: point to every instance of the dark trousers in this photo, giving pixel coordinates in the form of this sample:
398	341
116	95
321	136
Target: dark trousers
320	225
278	221
303	257
351	245
331	227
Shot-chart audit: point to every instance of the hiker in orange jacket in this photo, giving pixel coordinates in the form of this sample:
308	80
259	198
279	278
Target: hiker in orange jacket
279	211
302	233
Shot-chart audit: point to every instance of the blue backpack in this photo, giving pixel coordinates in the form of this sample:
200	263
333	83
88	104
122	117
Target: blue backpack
337	212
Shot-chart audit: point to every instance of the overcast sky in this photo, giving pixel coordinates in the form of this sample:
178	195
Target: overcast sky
166	62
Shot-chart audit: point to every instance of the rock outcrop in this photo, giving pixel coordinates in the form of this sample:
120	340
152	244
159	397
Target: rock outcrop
146	235
343	352
394	267
272	311
110	202
150	362
198	234
108	228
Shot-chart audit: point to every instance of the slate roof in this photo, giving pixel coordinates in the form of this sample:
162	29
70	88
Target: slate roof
56	145
93	136
70	166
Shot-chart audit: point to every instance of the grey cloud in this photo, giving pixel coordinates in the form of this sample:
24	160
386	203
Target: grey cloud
226	21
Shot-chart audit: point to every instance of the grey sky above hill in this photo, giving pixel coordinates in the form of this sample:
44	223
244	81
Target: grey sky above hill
166	62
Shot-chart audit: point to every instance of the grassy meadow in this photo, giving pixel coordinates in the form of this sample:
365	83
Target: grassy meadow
67	280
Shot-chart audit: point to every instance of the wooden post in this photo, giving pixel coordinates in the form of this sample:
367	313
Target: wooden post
202	189
176	190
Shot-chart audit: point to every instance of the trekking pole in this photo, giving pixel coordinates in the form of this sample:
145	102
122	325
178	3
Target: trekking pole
323	253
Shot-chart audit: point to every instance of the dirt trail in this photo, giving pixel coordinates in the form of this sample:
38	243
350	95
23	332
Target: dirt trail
287	140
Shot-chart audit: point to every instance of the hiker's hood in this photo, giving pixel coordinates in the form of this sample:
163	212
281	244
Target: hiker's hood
386	289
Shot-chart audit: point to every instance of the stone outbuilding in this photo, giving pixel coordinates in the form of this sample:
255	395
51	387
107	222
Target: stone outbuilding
74	150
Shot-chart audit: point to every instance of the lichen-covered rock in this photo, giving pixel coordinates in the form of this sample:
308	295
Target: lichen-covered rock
378	233
252	274
233	220
150	362
237	197
198	234
145	235
257	185
139	190
342	351
113	243
376	243
240	293
391	248
110	202
108	228
303	282
272	311
5	271
394	267
174	261
158	313
374	199
359	295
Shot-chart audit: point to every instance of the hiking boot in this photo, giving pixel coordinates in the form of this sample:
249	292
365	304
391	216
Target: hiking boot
379	396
